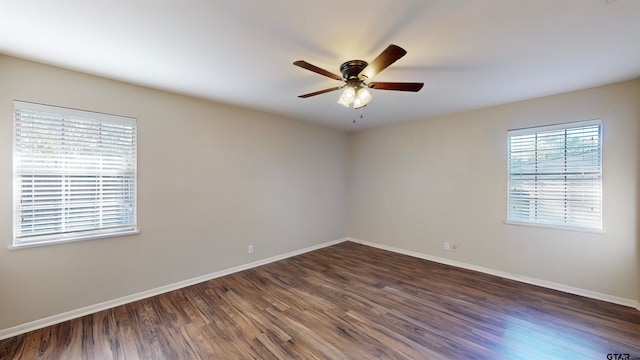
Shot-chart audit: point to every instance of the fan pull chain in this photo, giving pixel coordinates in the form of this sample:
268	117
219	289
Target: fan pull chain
361	117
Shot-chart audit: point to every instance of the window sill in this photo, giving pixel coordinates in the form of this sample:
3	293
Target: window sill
78	238
555	227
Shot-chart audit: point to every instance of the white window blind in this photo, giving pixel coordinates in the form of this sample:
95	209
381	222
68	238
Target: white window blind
555	175
74	174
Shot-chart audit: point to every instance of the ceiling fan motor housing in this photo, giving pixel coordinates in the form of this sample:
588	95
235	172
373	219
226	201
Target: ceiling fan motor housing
352	68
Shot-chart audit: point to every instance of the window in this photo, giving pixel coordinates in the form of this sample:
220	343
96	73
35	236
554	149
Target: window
555	175
74	174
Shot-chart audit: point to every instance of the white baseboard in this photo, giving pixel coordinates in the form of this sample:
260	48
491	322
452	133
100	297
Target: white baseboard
528	280
73	314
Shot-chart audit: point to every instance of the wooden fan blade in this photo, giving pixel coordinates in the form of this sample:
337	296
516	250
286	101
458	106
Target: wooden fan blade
320	92
415	87
386	58
305	65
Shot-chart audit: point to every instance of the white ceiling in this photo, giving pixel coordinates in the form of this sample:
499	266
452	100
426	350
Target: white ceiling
469	53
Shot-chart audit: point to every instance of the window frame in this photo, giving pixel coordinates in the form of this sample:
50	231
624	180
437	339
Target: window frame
64	115
596	228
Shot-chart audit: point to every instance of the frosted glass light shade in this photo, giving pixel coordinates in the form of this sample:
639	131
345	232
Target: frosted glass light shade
362	98
347	97
349	93
343	102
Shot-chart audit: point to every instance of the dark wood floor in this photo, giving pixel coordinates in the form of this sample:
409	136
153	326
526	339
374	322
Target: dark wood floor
346	301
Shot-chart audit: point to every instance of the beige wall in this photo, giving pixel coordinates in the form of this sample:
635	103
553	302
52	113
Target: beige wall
212	179
416	185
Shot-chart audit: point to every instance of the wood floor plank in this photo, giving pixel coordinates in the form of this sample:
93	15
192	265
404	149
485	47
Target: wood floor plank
347	301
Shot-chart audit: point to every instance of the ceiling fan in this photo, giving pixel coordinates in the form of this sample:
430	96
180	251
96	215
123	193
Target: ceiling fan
356	73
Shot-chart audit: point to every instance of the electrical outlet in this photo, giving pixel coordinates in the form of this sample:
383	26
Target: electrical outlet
446	246
250	249
454	247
